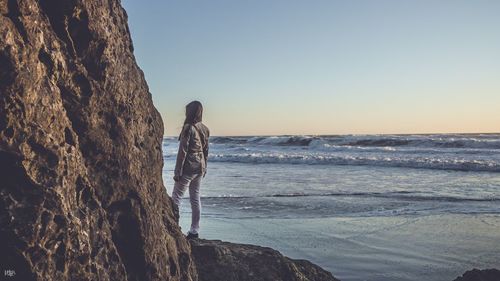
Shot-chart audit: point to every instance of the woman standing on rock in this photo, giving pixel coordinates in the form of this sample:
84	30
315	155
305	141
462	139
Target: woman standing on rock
191	164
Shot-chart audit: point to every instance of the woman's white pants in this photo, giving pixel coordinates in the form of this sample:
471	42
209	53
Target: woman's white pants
180	186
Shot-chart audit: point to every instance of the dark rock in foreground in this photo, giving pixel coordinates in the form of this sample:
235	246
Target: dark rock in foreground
81	190
223	261
480	275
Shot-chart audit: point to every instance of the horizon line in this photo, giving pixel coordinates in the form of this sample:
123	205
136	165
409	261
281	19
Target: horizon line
353	134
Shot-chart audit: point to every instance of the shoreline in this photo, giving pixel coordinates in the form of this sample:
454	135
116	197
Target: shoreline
381	253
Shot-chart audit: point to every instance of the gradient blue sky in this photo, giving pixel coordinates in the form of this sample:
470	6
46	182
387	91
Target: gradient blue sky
268	67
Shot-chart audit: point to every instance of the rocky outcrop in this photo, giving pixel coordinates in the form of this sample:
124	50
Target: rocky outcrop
222	261
81	192
480	275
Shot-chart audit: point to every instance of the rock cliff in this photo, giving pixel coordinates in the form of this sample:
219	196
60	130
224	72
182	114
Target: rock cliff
81	192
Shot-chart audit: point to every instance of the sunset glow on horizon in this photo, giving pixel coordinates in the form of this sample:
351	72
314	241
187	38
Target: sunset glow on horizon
322	67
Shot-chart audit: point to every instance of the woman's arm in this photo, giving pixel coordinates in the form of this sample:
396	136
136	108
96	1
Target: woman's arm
182	153
205	151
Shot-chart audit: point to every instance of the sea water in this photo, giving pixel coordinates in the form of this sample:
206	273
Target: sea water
366	207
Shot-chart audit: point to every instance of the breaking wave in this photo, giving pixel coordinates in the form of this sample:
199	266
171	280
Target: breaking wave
479	141
384	160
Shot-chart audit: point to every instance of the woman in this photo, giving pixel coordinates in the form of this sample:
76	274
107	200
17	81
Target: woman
191	165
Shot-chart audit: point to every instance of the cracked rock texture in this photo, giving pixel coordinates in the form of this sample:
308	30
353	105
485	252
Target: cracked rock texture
81	192
222	261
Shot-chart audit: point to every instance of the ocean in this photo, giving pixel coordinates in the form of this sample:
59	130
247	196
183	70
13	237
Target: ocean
365	207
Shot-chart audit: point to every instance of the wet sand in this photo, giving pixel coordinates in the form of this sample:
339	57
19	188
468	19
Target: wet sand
434	247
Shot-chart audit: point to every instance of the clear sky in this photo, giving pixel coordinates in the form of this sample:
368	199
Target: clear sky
270	67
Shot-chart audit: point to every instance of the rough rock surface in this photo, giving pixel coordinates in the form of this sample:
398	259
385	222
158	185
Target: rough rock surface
222	261
81	193
480	275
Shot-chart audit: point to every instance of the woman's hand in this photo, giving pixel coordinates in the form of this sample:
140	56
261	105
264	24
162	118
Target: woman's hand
176	178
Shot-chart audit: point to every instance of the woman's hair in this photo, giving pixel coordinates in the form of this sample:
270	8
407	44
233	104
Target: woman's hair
194	113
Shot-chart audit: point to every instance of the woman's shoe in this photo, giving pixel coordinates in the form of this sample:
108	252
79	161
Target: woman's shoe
192	235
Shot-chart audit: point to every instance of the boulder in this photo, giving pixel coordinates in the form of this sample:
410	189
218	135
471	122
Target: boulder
222	261
480	275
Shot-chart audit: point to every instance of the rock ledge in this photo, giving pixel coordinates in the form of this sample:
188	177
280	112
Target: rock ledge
220	261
